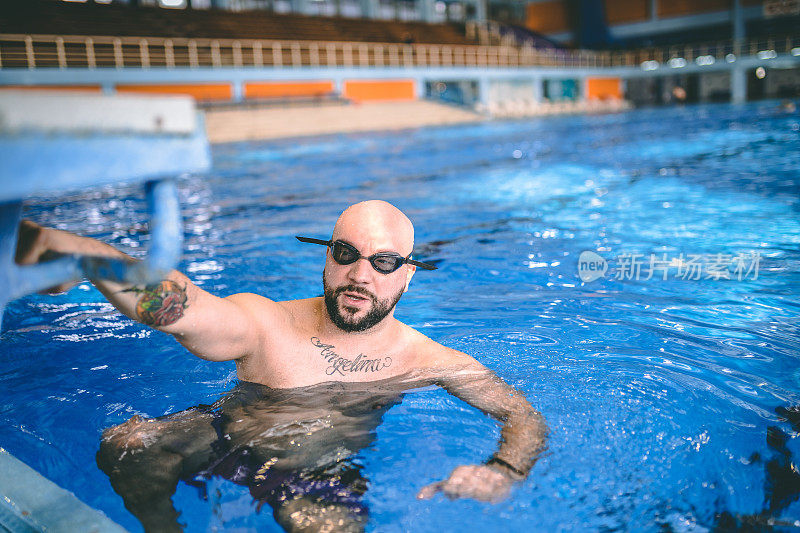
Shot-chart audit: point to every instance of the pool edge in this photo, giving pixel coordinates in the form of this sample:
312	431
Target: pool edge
31	502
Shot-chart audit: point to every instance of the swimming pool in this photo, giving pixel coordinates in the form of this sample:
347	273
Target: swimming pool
660	394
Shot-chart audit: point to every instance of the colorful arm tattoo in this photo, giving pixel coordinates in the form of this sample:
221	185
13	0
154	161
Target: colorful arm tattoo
160	305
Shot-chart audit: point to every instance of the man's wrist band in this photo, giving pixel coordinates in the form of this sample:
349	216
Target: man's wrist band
497	461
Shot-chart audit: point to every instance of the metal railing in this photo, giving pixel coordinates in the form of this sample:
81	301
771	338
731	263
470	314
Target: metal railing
65	51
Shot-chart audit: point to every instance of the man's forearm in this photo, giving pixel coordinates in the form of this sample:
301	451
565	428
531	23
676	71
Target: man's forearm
218	329
524	431
158	306
523	438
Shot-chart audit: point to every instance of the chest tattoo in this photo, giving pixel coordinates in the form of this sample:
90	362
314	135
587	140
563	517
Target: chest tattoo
339	365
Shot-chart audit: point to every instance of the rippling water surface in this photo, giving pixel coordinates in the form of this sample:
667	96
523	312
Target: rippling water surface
671	402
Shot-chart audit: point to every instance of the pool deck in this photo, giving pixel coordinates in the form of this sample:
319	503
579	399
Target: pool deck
248	124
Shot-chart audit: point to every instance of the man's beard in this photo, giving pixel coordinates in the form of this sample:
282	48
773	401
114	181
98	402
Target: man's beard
344	319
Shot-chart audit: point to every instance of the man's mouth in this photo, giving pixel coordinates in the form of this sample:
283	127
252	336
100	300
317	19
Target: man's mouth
354	298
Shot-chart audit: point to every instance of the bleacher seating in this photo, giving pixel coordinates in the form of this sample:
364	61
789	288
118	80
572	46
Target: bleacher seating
55	17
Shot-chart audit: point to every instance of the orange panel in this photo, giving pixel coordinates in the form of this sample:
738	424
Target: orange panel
674	8
200	91
256	89
547	17
624	11
361	90
87	88
603	89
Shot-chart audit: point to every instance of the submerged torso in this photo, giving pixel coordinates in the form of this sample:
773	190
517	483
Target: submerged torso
308	427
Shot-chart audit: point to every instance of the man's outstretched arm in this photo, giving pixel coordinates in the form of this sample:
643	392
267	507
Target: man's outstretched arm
210	327
523	435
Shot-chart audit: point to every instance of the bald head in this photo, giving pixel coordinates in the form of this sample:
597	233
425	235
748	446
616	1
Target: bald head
377	222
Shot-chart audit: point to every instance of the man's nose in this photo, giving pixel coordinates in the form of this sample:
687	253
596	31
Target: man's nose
360	271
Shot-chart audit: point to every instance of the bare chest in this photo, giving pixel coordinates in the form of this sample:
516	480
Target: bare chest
312	360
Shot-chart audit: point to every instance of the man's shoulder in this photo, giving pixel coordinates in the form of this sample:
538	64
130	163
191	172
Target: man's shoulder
265	309
433	355
252	300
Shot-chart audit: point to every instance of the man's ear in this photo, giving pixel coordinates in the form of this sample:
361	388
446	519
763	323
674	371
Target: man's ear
409	274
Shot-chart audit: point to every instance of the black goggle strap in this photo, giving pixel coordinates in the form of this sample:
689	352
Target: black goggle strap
420	264
309	240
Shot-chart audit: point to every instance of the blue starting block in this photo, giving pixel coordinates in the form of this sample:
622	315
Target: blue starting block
54	143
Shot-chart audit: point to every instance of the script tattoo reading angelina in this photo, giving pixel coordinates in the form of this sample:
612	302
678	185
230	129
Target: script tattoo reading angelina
160	305
340	365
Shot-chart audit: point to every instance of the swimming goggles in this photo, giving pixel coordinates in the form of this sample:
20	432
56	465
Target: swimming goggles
383	262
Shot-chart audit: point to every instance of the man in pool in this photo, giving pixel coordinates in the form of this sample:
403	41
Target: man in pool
317	375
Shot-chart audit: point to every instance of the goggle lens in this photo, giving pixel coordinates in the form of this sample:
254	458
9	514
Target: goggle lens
386	264
343	253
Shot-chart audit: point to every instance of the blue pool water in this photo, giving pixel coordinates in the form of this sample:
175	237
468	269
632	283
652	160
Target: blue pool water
665	397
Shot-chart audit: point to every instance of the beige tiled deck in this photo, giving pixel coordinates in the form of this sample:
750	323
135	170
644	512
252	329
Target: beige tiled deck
227	125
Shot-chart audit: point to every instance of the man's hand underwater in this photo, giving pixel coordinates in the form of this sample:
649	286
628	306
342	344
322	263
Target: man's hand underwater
480	482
